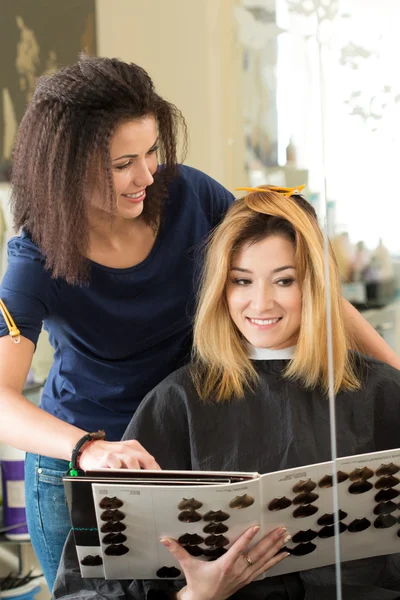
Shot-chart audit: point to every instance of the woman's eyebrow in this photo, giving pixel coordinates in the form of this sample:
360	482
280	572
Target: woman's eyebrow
277	270
134	155
241	270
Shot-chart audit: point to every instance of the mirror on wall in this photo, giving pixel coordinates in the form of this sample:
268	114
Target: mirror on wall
321	105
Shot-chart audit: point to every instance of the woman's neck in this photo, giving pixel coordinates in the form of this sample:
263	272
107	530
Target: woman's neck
117	242
107	229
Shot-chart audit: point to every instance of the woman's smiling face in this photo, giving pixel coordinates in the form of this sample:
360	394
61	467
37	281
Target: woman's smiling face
263	293
133	150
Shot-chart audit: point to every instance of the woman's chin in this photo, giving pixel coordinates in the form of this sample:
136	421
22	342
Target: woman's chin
130	212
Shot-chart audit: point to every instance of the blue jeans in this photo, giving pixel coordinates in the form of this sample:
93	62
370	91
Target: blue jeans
46	511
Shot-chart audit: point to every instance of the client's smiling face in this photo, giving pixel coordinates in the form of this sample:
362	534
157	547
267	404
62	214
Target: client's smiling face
263	293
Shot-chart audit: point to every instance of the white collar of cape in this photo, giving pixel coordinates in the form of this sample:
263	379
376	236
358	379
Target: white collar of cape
269	354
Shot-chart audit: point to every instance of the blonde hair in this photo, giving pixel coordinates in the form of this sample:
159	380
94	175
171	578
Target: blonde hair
221	367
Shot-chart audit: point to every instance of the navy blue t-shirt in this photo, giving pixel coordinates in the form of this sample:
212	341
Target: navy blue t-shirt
117	338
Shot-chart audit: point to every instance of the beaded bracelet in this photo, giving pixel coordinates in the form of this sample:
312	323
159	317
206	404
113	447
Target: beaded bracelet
84	441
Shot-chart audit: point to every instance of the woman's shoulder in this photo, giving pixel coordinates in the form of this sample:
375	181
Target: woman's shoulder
169	402
200	192
27	288
372	371
23	247
176	391
199	180
177	387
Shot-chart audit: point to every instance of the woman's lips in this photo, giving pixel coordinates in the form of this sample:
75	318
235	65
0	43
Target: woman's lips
263	324
135	198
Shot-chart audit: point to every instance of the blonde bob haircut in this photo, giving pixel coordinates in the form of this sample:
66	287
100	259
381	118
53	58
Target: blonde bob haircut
221	367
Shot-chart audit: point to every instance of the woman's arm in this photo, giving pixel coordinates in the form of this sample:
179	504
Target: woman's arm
22	424
367	339
28	427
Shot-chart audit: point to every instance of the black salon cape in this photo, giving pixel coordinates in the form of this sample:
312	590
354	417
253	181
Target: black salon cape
279	426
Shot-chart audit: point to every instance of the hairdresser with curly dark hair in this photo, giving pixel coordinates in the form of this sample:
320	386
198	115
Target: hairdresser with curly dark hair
106	262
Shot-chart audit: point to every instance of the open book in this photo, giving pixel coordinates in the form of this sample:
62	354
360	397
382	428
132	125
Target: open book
119	516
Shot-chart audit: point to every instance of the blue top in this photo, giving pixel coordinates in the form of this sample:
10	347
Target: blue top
117	338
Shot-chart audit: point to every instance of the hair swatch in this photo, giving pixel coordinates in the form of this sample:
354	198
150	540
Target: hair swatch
92	561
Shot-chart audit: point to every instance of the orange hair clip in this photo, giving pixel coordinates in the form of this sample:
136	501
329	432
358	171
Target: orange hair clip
280	190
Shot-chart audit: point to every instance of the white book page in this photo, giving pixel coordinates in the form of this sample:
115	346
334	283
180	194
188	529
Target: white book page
370	533
151	512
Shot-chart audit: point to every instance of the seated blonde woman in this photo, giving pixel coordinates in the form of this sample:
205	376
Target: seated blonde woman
255	398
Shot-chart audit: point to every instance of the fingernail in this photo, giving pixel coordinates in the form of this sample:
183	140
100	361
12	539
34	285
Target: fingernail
287	538
256	529
286	554
282	531
166	542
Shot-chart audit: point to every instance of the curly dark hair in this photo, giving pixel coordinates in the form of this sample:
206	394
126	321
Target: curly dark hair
66	129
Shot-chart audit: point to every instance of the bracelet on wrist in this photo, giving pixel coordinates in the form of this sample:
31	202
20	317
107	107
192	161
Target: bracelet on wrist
79	447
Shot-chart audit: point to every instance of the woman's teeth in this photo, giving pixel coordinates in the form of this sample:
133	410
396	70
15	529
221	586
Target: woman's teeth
264	321
134	195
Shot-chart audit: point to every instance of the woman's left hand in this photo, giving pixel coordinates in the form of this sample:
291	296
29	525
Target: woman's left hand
219	579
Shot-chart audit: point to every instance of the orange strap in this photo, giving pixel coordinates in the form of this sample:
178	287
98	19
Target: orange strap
12	328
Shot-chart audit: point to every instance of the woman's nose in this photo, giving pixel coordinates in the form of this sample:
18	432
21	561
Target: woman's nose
143	177
263	299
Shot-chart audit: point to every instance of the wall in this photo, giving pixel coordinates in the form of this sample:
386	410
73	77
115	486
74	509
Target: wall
190	49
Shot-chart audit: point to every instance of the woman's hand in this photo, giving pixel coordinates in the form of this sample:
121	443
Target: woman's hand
116	455
219	579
